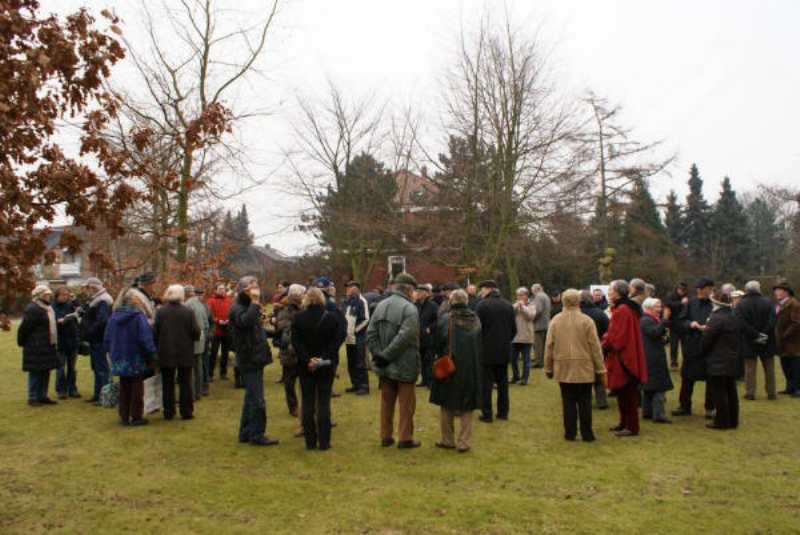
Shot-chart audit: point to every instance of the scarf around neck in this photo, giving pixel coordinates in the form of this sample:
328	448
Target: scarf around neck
51	320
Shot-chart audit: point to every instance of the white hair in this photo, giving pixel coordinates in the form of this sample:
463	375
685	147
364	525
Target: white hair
536	288
522	290
296	290
752	286
459	297
175	294
650	303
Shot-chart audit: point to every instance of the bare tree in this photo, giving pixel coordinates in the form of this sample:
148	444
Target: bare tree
189	87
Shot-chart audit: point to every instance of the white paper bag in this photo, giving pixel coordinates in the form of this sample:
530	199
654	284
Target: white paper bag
153	392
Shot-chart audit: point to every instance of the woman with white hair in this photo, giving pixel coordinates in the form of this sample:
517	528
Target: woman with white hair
176	331
573	358
654	338
38	337
524	314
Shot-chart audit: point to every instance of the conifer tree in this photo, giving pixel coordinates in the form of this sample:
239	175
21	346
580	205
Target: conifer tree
730	239
696	218
673	219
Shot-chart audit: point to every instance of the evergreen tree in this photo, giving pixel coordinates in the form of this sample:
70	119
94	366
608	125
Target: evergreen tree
696	218
673	219
767	238
730	238
242	227
645	242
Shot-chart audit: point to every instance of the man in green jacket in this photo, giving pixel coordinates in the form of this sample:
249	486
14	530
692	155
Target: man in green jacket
393	340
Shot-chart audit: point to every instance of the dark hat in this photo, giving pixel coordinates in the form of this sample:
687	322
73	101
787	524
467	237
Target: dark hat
323	282
199	291
451	286
145	278
703	282
488	283
405	278
683	285
423	288
783	285
437	288
352	283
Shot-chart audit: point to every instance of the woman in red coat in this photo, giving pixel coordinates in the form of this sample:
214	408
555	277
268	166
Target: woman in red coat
626	364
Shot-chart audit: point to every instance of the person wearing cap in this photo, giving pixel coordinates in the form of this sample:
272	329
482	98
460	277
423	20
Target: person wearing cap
787	336
498	329
194	304
675	303
691	325
720	340
573	357
175	332
428	317
220	306
757	315
543	306
252	355
38	337
93	329
524	314
357	317
625	359
393	340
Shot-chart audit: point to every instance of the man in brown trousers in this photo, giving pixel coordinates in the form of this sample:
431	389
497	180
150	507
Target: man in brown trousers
393	340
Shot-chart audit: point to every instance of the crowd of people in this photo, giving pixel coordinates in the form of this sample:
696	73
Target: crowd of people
460	343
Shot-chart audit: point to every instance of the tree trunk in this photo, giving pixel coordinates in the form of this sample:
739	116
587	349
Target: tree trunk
182	238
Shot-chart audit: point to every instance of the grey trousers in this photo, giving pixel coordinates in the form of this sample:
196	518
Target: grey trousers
751	372
198	377
654	405
539	338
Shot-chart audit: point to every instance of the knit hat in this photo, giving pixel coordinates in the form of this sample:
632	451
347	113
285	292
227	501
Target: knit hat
405	278
40	290
323	282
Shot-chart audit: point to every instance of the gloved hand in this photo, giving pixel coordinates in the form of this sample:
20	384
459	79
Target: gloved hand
379	361
762	339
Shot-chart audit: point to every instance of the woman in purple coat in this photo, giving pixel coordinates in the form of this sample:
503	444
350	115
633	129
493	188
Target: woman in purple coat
129	342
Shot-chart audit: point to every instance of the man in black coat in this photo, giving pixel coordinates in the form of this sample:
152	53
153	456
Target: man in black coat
757	314
691	324
591	309
428	316
252	354
93	328
498	328
675	303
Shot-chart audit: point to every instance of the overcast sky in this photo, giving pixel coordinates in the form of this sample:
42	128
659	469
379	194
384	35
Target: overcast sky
717	80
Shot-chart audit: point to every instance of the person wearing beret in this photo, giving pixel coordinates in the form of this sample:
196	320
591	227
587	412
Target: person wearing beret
498	327
787	336
393	340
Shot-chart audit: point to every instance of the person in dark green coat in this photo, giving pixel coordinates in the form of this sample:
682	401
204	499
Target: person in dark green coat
460	394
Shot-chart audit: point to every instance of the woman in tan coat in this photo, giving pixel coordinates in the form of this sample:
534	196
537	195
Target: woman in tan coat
574	358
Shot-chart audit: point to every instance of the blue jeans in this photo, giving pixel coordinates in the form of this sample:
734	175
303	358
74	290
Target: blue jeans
102	373
791	369
253	424
525	351
38	384
66	377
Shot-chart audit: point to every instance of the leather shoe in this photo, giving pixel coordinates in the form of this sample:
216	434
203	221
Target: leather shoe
486	419
662	421
387	442
362	392
625	433
264	441
681	412
140	422
505	417
616	428
408	444
48	401
445	446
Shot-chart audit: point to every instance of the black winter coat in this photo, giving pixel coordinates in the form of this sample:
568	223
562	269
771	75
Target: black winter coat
498	327
654	336
248	335
675	305
428	318
598	316
33	336
315	333
721	343
175	332
694	366
758	316
93	324
68	335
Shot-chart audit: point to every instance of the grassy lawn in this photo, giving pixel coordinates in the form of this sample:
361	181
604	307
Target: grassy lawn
71	468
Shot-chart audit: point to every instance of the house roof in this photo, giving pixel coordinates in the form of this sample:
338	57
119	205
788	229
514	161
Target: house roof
272	253
412	188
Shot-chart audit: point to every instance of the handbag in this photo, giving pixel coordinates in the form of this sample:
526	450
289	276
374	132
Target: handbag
153	394
444	366
109	394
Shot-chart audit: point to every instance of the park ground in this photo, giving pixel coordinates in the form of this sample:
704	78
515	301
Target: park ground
71	468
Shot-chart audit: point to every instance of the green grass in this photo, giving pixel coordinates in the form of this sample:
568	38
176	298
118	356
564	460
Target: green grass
72	469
